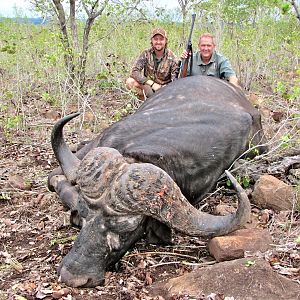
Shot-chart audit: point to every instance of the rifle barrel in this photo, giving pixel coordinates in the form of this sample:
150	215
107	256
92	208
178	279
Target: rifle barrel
185	62
191	32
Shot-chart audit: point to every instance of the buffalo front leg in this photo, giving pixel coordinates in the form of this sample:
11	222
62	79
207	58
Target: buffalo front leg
68	195
52	180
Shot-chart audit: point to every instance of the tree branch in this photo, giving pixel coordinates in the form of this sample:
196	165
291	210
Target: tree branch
62	19
73	24
65	38
92	15
296	8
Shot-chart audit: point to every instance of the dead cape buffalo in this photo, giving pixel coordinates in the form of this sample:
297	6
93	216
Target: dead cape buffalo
144	174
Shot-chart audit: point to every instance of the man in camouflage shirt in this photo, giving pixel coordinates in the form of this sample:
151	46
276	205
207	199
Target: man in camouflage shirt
207	61
154	68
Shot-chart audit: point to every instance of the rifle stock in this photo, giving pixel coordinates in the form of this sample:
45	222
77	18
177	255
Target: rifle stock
183	64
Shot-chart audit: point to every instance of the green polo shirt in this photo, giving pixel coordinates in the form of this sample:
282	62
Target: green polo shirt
218	66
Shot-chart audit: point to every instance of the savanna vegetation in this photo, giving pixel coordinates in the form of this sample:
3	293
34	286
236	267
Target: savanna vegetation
78	59
95	49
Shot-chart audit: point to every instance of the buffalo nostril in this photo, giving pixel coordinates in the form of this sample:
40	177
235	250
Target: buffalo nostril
70	279
79	280
92	283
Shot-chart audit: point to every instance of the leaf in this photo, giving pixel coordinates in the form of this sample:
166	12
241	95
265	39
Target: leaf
285	8
249	263
149	279
246	181
63	240
17	297
40	295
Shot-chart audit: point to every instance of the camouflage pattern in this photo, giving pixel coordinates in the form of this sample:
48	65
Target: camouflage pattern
160	31
218	66
144	67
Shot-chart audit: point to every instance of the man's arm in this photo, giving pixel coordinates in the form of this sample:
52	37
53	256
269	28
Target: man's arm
227	72
137	72
234	80
138	67
174	67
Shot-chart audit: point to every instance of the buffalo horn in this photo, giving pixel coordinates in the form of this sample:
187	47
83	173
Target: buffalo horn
67	160
153	192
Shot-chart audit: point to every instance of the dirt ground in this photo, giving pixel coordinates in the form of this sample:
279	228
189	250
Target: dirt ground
35	233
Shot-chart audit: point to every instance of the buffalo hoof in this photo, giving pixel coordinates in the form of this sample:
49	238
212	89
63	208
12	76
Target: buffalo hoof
80	280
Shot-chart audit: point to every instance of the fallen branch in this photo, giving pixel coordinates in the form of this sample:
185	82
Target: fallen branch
151	253
185	263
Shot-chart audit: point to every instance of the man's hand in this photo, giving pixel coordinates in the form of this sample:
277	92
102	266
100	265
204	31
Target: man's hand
234	80
185	54
156	87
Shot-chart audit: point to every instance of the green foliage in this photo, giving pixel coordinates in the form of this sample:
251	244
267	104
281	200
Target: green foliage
12	122
250	263
285	141
281	88
9	122
9	48
244	181
128	109
63	240
48	98
256	36
285	7
289	89
8	95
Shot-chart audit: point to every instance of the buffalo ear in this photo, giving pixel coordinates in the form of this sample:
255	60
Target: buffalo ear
158	233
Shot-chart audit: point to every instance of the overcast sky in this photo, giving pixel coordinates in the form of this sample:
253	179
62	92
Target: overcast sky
7	7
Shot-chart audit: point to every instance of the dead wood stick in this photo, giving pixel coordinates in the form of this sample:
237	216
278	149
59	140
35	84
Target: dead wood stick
162	253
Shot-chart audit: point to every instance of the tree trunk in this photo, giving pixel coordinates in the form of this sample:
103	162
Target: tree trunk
296	8
68	55
92	15
74	25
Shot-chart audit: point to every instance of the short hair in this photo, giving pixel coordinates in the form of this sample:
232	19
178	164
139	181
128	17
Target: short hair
207	35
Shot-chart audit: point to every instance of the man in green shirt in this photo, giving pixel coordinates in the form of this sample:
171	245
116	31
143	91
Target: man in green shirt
154	68
207	61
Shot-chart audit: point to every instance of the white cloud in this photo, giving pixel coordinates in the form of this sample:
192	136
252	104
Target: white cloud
167	3
10	8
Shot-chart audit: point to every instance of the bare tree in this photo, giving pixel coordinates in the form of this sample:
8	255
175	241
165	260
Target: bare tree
75	51
184	6
76	68
93	9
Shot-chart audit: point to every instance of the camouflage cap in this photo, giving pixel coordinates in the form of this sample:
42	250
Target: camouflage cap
160	31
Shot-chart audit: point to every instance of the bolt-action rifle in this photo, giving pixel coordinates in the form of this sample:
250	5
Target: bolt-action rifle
182	66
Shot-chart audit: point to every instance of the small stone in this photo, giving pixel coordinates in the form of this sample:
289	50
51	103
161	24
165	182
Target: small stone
270	192
60	293
234	245
18	182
